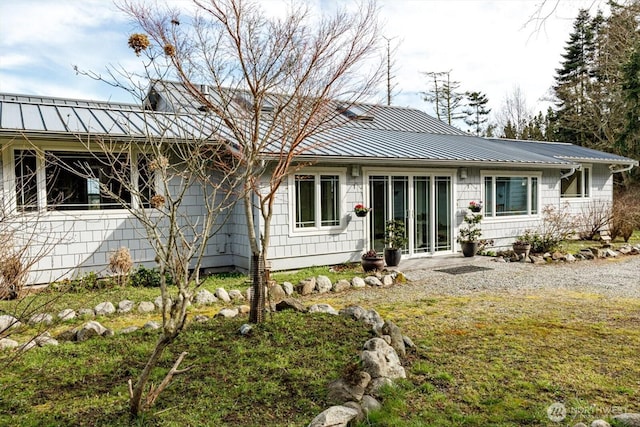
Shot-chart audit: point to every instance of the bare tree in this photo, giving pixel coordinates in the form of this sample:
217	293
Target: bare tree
514	114
390	69
273	84
444	94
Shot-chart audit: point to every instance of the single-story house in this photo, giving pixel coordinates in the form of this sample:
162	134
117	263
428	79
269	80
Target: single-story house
400	162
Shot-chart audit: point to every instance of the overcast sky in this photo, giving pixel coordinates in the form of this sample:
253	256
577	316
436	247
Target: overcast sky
489	46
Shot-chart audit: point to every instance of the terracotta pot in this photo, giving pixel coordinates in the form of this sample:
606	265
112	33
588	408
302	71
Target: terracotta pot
372	264
522	249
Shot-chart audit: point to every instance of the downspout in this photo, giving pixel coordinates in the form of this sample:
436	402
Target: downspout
613	169
568	174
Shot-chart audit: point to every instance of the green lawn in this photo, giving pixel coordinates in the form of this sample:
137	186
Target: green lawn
481	360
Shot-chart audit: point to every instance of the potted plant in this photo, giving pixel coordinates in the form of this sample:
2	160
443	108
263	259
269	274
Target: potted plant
469	234
361	210
522	245
395	238
371	261
474	206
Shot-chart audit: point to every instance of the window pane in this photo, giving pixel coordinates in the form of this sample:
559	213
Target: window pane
26	181
572	185
422	239
379	196
488	196
511	196
443	213
85	181
305	201
587	183
534	195
400	186
329	200
145	181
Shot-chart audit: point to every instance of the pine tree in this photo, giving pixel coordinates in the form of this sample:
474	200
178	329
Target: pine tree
477	112
444	94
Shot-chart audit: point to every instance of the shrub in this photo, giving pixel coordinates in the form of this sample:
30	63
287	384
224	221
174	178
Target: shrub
12	276
121	264
557	225
147	277
625	214
595	217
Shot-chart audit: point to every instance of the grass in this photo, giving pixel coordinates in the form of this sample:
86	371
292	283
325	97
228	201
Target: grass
574	246
484	359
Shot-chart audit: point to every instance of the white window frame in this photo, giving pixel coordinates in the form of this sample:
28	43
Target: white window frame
492	216
342	196
8	159
586	183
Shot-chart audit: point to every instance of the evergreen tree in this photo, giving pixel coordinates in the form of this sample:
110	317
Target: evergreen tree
477	112
628	143
444	94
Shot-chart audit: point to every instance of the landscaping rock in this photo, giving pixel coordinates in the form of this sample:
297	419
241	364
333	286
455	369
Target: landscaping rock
323	284
68	335
45	318
369	403
408	342
146	307
6	343
600	423
569	258
8	321
397	341
104	308
90	329
379	359
201	318
151	325
373	319
537	259
228	313
125	306
244	309
204	297
610	253
355	405
323	308
288	288
341	285
387	280
222	294
277	293
358	282
245	329
236	295
587	253
129	330
628	419
354	312
335	416
291	304
580	425
372	281
158	302
306	286
376	384
86	312
67	314
45	339
342	390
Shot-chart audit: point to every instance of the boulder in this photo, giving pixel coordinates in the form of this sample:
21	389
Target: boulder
628	419
569	258
372	281
290	304
228	313
44	318
369	403
355	405
6	343
146	307
587	253
306	286
600	423
277	293
7	321
288	288
376	384
244	309
323	284
379	359
125	306
610	253
45	339
236	295
342	390
387	280
158	302
323	308
204	297
67	314
341	285
335	416
408	342
86	313
104	308
397	340
537	259
90	329
222	294
354	312
151	325
373	319
358	282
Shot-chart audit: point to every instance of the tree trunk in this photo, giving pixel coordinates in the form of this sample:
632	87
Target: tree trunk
258	297
135	398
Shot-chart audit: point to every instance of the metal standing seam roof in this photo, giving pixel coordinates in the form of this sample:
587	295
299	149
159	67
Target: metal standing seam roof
566	151
395	134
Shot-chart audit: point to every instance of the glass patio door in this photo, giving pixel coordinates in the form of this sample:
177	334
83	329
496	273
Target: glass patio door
422	203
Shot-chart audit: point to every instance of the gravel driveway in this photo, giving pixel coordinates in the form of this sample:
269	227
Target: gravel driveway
612	278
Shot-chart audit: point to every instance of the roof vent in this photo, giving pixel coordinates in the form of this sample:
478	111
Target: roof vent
355	112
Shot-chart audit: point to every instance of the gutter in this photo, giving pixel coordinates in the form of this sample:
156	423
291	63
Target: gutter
613	169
